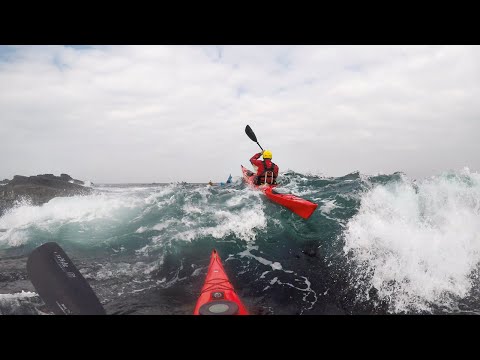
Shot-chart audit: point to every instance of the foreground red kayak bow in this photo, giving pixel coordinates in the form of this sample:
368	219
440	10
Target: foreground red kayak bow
218	296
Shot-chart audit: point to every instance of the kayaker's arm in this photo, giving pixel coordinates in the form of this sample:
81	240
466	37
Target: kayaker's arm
255	158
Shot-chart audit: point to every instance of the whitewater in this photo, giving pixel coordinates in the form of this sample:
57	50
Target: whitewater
382	244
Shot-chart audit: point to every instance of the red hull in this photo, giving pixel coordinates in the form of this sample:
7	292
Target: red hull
218	296
299	206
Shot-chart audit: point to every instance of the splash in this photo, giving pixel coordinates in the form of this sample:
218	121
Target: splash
418	244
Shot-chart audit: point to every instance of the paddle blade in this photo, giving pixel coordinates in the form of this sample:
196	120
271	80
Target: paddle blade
250	133
59	283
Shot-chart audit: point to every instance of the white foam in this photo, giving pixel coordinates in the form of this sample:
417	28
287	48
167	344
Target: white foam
18	303
189	208
242	196
159	193
159	227
263	274
142	229
418	244
276	266
14	237
243	224
62	210
116	270
20	295
328	206
165	224
67	209
197	272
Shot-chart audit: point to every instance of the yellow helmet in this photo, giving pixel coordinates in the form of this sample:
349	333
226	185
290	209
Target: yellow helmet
267	154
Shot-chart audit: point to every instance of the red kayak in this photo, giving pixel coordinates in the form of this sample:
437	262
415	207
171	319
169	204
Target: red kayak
218	296
299	206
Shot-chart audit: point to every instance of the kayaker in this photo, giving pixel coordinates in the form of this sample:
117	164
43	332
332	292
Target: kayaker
229	181
267	171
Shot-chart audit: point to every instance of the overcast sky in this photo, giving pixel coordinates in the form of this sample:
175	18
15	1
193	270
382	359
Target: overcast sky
114	114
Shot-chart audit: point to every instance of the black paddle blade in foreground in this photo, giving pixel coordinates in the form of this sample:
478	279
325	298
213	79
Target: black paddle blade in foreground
250	133
59	283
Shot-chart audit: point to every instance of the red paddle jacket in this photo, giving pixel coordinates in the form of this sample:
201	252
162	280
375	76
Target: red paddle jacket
259	166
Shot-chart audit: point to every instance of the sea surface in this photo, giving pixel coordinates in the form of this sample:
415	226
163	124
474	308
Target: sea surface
383	244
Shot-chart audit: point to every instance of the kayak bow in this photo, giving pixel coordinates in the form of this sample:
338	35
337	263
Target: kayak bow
299	206
218	296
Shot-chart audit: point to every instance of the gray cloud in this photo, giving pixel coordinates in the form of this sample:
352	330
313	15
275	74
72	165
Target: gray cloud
173	113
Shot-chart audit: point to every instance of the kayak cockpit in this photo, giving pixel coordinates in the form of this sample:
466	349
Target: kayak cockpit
219	307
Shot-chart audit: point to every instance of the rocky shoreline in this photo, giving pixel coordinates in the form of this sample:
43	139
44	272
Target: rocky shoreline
39	189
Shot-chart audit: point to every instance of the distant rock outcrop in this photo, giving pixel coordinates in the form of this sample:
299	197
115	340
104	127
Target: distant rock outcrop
39	189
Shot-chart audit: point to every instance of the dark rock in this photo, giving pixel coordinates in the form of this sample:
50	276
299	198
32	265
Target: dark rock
65	177
39	189
4	181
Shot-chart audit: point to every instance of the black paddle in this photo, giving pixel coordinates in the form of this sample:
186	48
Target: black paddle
251	135
59	283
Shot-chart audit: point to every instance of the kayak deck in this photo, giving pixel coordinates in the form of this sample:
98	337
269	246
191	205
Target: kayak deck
299	206
218	297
